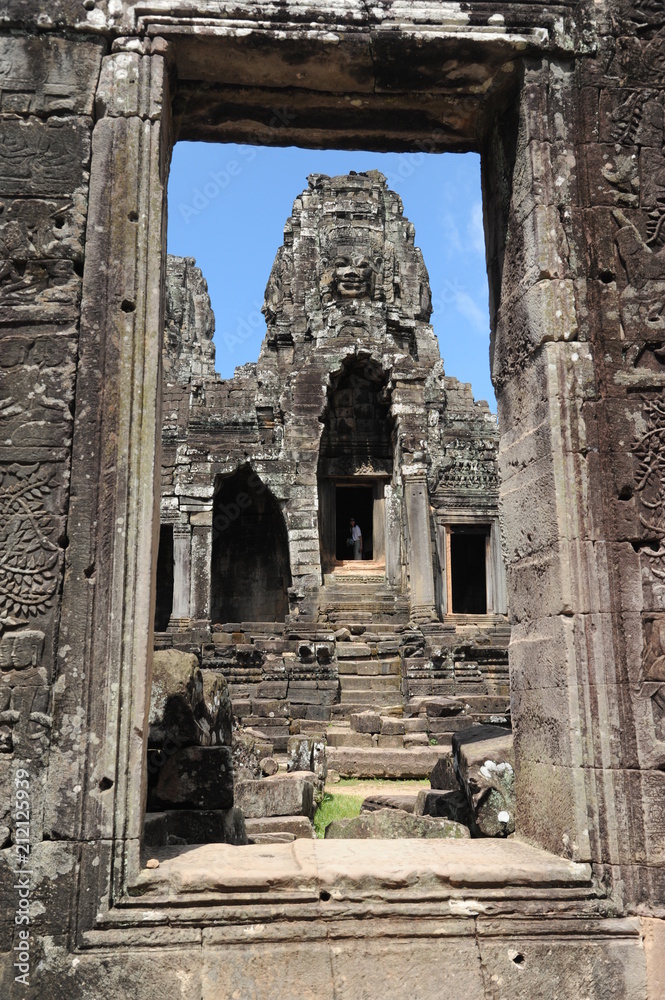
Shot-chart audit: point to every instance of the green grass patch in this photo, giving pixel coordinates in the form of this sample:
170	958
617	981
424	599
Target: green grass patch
336	807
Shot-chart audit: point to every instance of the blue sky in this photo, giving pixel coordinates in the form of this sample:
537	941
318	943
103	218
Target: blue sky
228	205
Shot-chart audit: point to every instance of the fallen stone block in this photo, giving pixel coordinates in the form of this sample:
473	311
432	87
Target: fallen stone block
447	724
373	803
273	838
436	708
365	722
193	778
278	796
298	827
269	766
394	824
416	762
485	765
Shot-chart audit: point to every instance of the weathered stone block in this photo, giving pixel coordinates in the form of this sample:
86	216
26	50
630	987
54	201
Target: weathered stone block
375	802
416	740
391	726
417	725
353	651
393	824
393	742
416	762
438	707
299	826
275	797
49	75
365	722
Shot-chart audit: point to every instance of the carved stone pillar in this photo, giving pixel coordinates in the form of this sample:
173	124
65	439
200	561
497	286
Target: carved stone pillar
200	564
98	783
421	566
182	566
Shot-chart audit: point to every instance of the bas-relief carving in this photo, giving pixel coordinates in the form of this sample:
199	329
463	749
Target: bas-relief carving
47	74
29	555
36	387
638	119
43	158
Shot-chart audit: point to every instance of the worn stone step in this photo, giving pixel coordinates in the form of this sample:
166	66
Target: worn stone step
353	650
381	628
346	738
370	667
381	682
369	697
416	762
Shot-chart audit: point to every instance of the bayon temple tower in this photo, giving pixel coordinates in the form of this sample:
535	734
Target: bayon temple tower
348	414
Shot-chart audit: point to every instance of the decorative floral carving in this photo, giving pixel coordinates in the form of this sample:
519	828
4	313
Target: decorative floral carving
650	451
28	556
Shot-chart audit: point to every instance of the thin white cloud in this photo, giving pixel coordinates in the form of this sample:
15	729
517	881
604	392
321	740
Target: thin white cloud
452	241
474	230
472	311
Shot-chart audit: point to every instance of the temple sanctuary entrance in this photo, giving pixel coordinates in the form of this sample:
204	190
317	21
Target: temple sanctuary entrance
468	570
355	462
250	555
164	598
353	502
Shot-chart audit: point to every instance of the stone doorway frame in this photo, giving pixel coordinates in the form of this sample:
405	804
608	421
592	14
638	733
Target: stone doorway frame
122	319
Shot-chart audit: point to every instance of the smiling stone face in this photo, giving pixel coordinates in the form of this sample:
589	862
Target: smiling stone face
352	275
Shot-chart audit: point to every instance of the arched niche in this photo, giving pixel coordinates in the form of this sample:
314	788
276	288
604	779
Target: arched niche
250	571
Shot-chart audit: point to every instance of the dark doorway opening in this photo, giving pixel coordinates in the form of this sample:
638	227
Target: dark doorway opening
356	502
467	570
251	570
164	599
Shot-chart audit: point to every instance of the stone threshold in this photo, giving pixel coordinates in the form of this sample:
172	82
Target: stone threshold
339	869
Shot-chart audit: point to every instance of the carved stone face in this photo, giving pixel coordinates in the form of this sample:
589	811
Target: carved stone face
352	275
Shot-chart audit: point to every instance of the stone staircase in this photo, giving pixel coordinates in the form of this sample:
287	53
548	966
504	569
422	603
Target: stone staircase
370	669
361	596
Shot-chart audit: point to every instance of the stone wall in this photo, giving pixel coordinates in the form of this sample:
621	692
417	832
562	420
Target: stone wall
565	103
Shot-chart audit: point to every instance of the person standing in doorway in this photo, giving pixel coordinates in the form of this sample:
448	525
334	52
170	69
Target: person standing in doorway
356	537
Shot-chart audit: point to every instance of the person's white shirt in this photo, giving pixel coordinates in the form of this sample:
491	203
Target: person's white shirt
356	533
